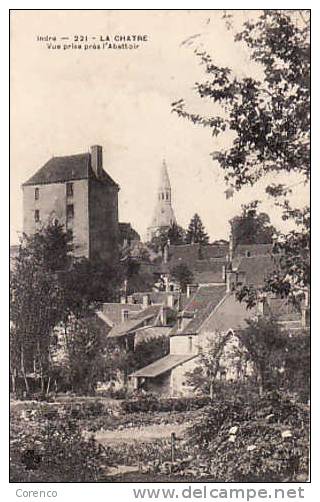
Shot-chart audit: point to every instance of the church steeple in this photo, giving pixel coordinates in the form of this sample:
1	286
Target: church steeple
164	188
163	216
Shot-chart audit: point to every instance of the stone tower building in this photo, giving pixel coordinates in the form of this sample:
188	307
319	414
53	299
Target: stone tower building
163	216
77	191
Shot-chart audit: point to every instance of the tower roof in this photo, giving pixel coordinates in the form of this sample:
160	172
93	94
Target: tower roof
164	183
163	216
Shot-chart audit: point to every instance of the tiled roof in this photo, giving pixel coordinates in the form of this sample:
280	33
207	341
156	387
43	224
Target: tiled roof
67	168
229	314
159	297
203	303
257	268
113	311
204	296
193	253
136	321
253	249
162	365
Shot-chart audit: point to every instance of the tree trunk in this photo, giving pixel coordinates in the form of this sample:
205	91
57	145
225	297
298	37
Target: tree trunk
211	389
13	382
48	385
23	371
260	384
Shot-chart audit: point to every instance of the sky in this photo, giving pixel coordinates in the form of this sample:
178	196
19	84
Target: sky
63	101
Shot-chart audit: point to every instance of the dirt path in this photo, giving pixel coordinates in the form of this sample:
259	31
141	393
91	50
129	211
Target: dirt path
133	434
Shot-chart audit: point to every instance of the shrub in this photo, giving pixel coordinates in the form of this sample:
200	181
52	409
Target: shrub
269	435
153	403
55	452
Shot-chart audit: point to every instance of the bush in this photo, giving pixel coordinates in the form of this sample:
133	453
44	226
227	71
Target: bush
269	435
54	452
154	404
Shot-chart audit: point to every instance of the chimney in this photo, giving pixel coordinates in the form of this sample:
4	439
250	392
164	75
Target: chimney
231	244
170	301
261	307
96	160
231	279
163	316
145	301
188	290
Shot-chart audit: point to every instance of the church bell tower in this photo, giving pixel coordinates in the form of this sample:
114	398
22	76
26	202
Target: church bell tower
163	216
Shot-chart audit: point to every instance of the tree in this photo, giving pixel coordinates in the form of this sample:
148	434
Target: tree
266	346
196	232
148	351
47	287
85	343
173	234
176	235
203	377
268	118
36	301
183	275
252	227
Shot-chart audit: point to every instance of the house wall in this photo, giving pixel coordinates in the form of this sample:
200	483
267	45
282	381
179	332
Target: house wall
178	386
182	344
52	204
103	218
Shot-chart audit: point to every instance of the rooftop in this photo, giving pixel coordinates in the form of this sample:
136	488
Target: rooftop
162	365
67	168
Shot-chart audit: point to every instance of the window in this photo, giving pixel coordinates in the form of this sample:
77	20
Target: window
70	234
125	315
37	215
69	189
70	211
190	343
167	196
36	194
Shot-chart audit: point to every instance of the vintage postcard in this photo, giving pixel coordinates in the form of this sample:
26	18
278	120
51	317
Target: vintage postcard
160	248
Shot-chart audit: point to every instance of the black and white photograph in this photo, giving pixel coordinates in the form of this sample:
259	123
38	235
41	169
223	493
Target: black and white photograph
160	246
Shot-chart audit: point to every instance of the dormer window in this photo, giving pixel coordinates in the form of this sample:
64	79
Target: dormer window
36	194
125	315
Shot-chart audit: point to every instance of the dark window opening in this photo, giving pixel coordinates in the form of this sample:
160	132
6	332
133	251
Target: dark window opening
36	194
70	234
37	215
70	189
70	212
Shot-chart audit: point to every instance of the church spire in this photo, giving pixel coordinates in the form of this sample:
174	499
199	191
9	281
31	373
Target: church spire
163	216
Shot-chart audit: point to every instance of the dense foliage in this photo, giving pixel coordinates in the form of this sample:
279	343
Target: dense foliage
252	227
54	451
267	119
183	275
270	436
196	233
